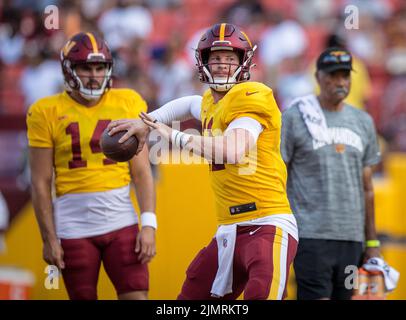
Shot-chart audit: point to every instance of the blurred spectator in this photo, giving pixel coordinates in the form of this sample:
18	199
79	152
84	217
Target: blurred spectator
243	12
191	45
284	40
35	5
380	9
366	42
142	83
12	162
11	40
295	81
42	76
360	85
131	65
124	22
392	118
164	3
248	14
170	72
393	115
131	57
396	43
92	9
71	22
315	11
4	217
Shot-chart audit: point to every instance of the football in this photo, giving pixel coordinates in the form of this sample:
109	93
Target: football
116	151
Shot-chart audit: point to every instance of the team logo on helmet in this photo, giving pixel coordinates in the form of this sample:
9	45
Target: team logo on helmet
68	46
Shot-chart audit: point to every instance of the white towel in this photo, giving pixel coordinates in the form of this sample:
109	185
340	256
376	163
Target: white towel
223	283
391	276
313	117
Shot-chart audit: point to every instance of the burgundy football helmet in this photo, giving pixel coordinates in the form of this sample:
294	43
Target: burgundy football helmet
85	48
224	36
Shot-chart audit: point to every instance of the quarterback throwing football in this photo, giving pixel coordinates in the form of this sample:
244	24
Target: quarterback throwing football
257	236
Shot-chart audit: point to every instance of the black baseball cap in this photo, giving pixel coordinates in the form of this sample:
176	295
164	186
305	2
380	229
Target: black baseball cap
333	59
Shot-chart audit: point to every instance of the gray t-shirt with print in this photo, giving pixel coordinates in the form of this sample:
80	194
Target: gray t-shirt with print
325	185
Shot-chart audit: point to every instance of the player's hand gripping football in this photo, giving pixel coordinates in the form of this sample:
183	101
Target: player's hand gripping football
145	245
163	129
53	254
134	127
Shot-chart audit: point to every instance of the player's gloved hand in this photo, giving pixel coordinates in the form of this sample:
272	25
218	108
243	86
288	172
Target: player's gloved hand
145	244
134	127
53	254
163	129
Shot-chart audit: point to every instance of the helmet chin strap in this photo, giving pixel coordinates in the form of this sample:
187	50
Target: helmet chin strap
222	84
217	86
92	94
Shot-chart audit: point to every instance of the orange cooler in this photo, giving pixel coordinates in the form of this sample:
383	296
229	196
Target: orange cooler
15	283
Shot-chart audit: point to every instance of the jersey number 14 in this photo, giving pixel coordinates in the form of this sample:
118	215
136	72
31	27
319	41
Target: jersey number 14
73	130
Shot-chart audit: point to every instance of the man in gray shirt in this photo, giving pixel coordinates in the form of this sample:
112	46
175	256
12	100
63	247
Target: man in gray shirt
329	148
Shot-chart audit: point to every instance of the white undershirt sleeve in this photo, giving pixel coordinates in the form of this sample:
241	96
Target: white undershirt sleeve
196	107
247	123
181	109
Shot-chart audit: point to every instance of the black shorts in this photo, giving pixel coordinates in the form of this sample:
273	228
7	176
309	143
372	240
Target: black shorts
320	268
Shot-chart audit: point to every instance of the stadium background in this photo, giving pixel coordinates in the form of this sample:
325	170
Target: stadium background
152	41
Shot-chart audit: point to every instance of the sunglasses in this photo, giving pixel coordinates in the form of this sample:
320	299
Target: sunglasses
340	58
